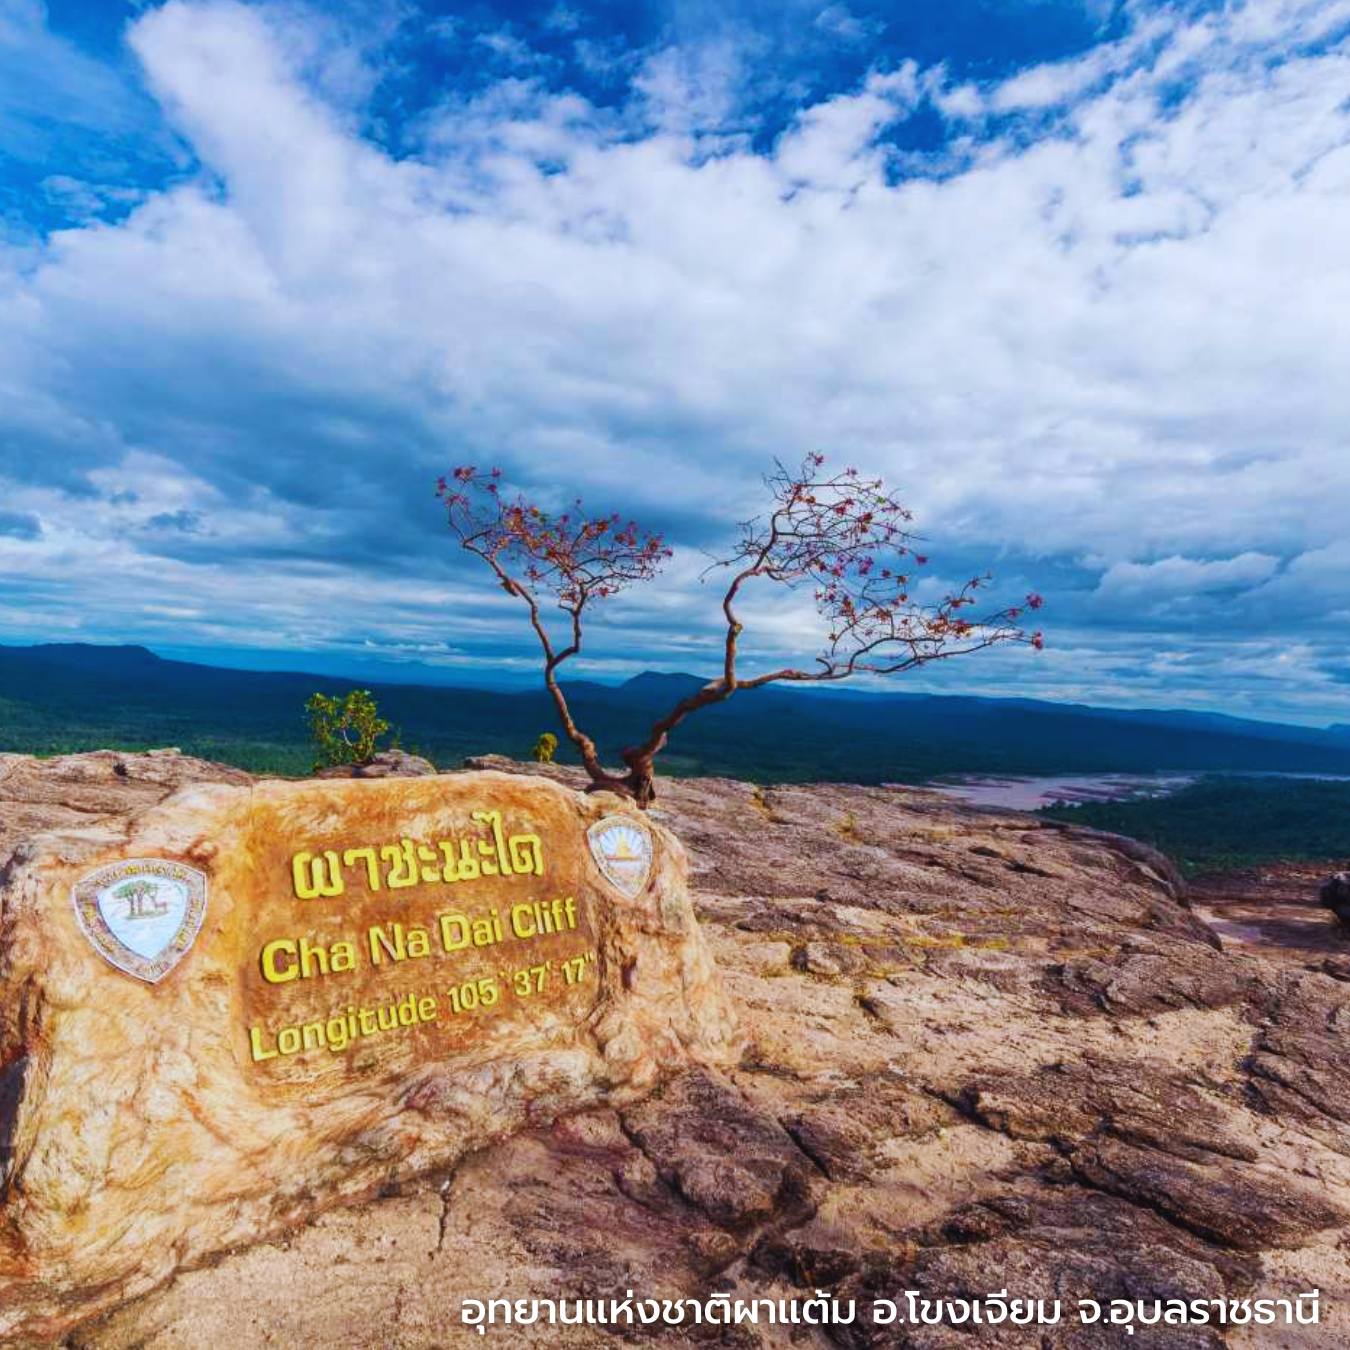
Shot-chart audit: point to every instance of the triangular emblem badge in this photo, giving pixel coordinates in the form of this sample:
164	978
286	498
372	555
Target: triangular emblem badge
622	849
141	915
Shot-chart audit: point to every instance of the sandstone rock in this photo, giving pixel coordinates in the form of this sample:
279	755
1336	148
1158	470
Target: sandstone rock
1066	1243
1236	1207
71	791
146	1125
1159	1141
846	1132
1335	895
1297	1065
1143	975
1069	1102
722	1156
386	764
963	1076
1149	862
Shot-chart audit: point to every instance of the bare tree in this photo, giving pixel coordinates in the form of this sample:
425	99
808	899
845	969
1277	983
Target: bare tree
843	535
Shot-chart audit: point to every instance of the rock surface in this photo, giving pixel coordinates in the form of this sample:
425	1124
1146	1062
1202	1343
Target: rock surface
148	1125
386	764
981	1051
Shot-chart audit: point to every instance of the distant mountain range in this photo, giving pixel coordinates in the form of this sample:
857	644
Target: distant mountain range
63	697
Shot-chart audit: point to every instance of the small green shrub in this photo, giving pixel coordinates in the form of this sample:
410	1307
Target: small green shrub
344	730
545	748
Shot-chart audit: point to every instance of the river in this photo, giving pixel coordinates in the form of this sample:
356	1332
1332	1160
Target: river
1030	794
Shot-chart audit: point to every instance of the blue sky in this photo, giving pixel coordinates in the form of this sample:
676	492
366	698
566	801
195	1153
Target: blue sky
1072	276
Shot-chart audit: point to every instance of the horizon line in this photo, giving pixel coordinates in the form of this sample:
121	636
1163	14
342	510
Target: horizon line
521	683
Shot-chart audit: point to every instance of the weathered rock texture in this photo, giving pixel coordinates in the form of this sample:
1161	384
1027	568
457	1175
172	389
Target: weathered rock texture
143	1127
387	764
981	1052
1335	895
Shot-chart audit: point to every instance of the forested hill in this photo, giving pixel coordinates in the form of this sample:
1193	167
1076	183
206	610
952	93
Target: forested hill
75	697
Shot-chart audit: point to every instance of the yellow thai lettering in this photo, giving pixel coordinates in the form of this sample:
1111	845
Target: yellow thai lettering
317	877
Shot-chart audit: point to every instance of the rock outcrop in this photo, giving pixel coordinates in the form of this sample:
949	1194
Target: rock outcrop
1335	895
361	981
386	764
981	1051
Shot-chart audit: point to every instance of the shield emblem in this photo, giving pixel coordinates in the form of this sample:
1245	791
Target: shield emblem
622	849
141	915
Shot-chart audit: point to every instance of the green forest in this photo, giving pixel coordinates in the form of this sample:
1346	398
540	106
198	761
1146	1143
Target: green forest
57	699
1221	824
68	698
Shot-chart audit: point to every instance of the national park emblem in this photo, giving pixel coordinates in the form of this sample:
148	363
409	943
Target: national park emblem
141	915
622	848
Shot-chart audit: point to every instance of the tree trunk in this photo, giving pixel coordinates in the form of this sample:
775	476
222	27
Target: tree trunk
642	783
641	774
638	784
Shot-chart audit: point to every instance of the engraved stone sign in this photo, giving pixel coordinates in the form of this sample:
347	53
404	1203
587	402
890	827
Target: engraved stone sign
251	1002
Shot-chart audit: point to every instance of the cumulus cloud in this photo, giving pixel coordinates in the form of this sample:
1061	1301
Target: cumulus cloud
1176	576
834	143
1097	337
838	21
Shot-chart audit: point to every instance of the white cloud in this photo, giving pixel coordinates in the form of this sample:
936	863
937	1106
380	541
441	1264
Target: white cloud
510	49
833	144
1313	591
841	23
1178	576
1117	336
691	89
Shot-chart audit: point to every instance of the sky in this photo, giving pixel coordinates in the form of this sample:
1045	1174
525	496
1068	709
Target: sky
1072	275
